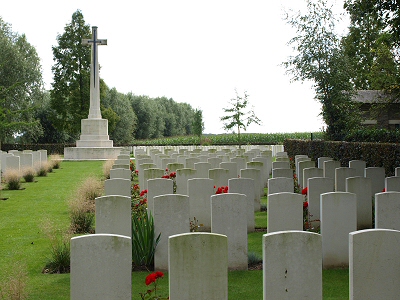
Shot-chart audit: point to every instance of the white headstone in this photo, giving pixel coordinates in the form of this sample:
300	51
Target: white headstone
157	187
374	264
321	160
341	174
310	173
171	216
182	176
359	166
338	218
387	210
113	215
377	176
284	212
117	186
229	217
198	266
101	267
292	265
329	168
288	173
392	184
120	173
219	176
255	175
316	187
202	169
200	190
361	186
280	185
245	186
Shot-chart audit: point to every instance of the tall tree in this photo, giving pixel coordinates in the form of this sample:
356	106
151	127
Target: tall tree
118	109
71	86
320	58
21	85
364	31
198	124
238	116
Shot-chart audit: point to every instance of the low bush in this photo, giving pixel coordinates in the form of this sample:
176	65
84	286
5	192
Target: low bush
82	216
43	169
55	161
82	205
28	174
12	179
60	251
107	167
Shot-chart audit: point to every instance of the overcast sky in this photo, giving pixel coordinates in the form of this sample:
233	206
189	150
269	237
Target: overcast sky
196	52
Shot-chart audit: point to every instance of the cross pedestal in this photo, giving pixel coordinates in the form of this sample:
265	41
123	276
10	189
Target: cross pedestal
94	142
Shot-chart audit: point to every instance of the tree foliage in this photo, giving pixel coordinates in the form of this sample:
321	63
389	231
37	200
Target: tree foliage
21	85
122	120
320	58
198	124
238	116
71	86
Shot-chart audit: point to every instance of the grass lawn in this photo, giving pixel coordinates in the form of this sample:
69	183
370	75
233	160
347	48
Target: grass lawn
25	247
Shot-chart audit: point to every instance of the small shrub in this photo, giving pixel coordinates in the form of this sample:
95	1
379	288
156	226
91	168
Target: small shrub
55	161
82	205
89	191
42	169
82	216
14	286
253	258
12	179
28	174
107	167
59	259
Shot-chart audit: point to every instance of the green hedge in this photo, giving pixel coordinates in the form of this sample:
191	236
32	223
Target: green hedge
51	148
385	155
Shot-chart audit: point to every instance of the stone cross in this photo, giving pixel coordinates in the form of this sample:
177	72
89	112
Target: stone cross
94	110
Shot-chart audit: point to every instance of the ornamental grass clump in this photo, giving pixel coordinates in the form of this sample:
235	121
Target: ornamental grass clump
107	166
12	179
28	174
82	206
55	161
60	250
43	169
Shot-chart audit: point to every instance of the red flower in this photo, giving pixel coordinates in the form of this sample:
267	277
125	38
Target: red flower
305	204
151	278
304	191
172	175
137	172
384	190
219	190
166	169
215	187
142	193
226	189
165	177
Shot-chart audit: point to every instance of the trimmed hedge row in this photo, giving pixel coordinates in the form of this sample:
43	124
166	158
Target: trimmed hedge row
385	155
51	148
